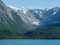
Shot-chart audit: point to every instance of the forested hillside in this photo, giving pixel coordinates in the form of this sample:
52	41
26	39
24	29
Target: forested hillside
40	33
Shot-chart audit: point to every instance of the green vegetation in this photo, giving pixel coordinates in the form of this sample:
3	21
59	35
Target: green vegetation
40	33
5	34
46	33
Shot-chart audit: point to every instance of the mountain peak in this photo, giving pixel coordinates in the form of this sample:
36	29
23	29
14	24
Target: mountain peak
56	8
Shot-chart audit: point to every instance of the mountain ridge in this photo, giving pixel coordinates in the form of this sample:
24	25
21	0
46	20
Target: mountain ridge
28	19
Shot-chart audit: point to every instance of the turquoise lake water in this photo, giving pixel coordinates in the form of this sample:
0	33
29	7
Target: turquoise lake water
29	42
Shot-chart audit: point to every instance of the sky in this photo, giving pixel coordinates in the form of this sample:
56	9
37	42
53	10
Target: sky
33	3
29	42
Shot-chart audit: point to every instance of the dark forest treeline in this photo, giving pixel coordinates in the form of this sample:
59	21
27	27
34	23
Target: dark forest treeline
40	33
44	33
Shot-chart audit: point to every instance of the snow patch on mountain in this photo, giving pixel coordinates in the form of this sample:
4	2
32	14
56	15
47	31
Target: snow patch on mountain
15	8
22	9
41	14
35	23
53	13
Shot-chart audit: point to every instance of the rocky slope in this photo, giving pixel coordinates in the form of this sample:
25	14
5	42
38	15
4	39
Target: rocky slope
22	20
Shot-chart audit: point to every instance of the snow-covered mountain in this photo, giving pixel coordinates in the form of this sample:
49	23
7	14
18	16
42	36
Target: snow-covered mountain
52	17
15	19
25	19
30	16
